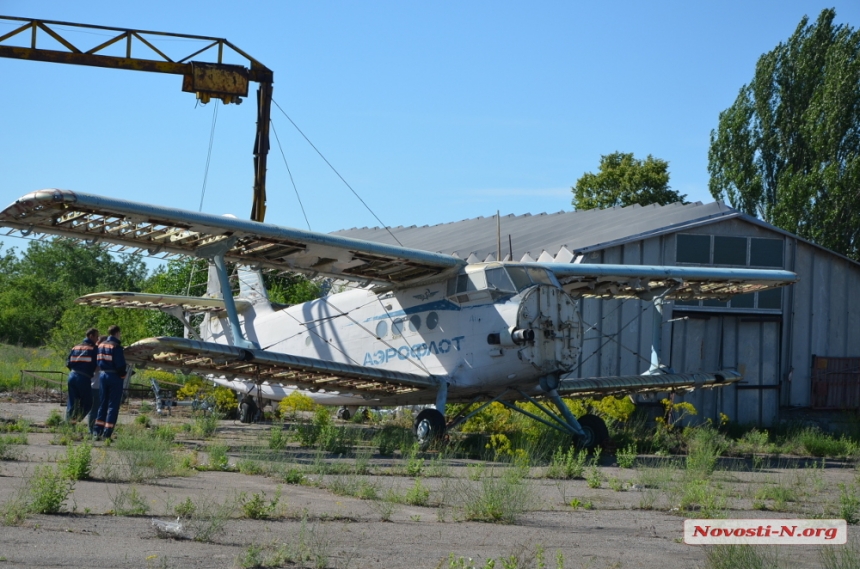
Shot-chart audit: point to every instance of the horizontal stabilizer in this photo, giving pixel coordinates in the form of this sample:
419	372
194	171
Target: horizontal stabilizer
625	384
209	358
163	302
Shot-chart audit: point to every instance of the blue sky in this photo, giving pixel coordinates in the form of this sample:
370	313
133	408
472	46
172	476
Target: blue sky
433	111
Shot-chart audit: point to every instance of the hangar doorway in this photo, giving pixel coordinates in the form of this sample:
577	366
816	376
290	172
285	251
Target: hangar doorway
707	341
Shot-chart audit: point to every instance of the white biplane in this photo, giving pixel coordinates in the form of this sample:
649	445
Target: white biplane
422	328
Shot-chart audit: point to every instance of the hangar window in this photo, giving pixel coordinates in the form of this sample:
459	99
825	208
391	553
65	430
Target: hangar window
766	252
693	249
730	250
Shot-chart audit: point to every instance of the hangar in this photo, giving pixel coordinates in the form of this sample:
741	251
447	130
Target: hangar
797	347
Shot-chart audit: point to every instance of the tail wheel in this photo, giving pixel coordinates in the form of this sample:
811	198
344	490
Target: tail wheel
429	427
343	414
595	430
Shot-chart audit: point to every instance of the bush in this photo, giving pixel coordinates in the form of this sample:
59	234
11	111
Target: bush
496	499
290	405
256	507
55	419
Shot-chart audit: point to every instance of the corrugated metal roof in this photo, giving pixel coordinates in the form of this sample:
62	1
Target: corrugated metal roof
559	235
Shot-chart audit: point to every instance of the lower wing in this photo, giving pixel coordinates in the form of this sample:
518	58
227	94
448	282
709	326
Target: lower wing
625	384
209	358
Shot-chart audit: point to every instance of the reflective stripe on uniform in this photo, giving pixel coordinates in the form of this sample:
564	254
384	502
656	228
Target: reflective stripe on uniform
80	358
110	425
100	423
105	357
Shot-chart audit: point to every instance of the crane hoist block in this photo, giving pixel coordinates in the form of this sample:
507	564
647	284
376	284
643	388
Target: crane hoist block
221	81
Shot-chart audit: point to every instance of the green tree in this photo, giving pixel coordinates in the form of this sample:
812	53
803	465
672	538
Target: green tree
788	149
624	180
40	285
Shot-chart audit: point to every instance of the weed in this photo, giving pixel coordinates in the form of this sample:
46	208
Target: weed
128	502
705	445
78	463
418	495
256	508
616	484
351	484
567	464
475	471
145	407
414	465
496	499
142	457
437	467
8	449
293	475
250	467
741	557
205	425
386	506
849	503
218	459
209	519
627	456
54	420
707	498
252	557
593	477
278	438
391	438
48	490
845	557
185	509
143	421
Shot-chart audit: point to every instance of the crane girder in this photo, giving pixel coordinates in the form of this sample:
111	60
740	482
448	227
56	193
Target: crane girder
208	79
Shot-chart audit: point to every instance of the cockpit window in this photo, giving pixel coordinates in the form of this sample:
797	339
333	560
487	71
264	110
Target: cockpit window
497	279
520	278
540	276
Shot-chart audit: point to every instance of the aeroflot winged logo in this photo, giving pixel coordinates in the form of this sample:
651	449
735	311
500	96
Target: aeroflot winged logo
426	295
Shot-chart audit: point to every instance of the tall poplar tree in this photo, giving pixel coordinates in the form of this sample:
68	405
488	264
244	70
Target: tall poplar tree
788	149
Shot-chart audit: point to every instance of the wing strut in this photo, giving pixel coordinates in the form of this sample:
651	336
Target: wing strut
215	252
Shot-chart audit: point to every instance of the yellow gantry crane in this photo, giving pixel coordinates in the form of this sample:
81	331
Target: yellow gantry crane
208	79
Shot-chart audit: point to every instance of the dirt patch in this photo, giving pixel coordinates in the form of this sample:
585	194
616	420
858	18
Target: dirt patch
630	520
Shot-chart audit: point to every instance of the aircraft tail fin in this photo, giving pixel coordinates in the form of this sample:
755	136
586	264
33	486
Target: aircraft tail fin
251	286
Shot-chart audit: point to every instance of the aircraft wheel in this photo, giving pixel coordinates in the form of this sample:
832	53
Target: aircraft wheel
596	432
429	427
248	410
343	414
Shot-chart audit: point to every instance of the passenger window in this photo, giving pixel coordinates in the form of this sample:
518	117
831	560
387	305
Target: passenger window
397	327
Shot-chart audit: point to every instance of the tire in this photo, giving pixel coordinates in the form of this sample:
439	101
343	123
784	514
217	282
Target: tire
596	432
248	410
429	427
343	414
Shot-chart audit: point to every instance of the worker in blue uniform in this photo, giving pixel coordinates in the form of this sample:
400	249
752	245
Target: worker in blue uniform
111	361
82	365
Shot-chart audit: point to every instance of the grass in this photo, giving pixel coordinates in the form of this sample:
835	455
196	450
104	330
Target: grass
741	557
567	464
45	492
256	507
13	359
128	502
141	456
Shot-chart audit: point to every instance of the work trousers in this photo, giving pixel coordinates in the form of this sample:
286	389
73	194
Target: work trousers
94	410
111	397
80	399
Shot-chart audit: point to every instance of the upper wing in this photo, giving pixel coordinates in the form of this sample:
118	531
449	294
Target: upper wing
676	283
164	230
181	354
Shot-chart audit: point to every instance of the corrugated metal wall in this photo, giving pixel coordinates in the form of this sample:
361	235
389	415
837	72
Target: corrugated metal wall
772	349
